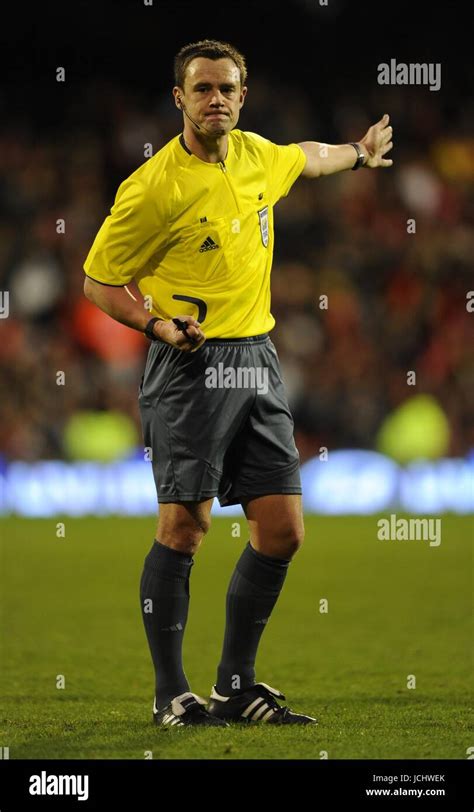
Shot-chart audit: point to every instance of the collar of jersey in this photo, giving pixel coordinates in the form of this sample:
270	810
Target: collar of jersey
192	156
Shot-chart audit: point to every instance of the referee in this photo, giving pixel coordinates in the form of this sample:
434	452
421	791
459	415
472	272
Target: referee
185	256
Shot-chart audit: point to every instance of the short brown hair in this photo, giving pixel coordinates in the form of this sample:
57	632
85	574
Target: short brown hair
210	49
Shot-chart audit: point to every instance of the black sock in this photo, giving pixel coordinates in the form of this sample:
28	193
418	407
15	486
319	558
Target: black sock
253	591
164	598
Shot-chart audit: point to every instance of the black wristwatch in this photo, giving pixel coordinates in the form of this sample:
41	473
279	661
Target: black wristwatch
360	155
149	329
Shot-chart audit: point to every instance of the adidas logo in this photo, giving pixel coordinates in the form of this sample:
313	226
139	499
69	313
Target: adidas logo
168	718
258	711
171	719
208	245
177	628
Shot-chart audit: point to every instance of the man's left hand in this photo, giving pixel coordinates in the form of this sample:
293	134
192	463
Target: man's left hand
377	142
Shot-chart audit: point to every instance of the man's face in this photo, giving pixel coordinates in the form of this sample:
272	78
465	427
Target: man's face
212	93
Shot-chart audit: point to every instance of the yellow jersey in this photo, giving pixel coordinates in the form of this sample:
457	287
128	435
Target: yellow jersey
197	237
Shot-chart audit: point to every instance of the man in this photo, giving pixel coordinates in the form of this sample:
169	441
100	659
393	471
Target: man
192	231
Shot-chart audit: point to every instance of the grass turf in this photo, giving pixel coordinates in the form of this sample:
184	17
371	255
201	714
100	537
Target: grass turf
71	607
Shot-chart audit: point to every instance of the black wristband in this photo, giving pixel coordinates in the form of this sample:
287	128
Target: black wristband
149	329
360	155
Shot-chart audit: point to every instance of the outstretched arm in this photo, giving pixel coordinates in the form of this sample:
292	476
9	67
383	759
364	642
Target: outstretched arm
325	159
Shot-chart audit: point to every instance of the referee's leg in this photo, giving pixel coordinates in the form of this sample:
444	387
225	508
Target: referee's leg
276	524
164	591
276	534
183	525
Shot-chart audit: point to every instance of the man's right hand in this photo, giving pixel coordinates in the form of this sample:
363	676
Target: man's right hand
125	304
170	333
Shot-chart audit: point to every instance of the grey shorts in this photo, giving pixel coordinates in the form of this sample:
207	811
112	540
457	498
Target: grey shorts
216	422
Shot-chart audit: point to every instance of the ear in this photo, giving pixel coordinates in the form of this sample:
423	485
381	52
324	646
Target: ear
177	97
243	94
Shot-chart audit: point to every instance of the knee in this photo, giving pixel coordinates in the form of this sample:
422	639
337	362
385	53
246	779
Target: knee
294	538
288	540
184	535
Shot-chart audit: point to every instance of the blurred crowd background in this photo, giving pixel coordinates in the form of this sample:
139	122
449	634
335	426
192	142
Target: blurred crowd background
391	250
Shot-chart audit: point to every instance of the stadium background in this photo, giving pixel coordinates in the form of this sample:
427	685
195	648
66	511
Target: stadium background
397	302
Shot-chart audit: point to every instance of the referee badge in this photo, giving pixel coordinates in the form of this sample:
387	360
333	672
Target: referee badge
263	217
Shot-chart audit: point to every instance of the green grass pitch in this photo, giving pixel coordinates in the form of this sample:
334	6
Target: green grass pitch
70	607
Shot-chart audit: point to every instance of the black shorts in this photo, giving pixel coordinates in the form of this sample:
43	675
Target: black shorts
216	422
